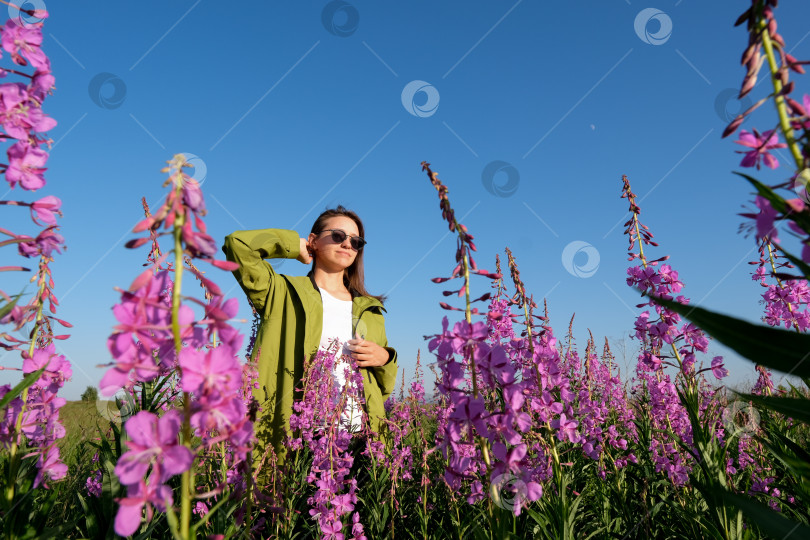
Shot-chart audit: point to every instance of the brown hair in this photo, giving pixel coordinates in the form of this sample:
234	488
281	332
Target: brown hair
353	276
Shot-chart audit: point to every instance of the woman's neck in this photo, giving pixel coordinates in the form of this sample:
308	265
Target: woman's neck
329	281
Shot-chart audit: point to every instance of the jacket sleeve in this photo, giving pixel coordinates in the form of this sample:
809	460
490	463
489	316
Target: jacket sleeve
386	376
249	249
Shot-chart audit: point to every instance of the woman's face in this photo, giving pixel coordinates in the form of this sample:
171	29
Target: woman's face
329	254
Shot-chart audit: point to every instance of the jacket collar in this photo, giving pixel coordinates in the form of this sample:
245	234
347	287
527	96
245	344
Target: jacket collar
308	290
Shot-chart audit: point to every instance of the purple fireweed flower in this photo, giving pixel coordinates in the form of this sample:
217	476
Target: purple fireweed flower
466	334
217	314
643	278
144	318
765	219
140	495
468	413
42	83
46	209
217	414
332	530
695	337
500	427
216	371
20	114
8	420
49	465
764	384
357	528
43	245
641	325
153	442
718	370
510	457
760	144
668	278
24	43
649	361
57	368
93	484
316	423
26	165
566	428
200	508
786	303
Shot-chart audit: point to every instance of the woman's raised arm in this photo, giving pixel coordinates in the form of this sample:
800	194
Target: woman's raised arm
249	249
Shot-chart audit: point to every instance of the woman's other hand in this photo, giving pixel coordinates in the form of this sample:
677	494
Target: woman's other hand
367	353
304	253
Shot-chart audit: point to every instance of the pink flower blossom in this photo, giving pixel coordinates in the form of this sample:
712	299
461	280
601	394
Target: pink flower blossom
26	166
44	244
131	507
46	209
567	428
760	144
50	466
718	369
765	219
42	83
24	41
20	112
214	371
465	334
153	442
57	368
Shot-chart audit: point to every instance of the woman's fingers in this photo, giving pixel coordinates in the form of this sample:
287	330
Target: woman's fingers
368	353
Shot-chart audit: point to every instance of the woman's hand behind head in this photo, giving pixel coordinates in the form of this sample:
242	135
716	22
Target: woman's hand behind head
304	253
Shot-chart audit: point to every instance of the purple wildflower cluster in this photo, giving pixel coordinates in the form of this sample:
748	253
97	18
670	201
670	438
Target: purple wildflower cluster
786	299
504	398
318	422
606	418
158	336
402	415
664	343
30	422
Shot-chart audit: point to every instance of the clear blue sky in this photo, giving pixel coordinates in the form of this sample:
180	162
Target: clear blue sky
289	118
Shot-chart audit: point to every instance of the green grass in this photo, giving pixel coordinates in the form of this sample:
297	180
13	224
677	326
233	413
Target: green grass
81	420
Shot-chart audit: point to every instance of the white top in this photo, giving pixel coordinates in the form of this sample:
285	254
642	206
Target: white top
337	325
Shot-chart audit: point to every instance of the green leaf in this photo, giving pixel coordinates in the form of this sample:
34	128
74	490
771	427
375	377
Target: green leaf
796	408
27	381
798	462
6	309
90	519
772	523
775	348
802	219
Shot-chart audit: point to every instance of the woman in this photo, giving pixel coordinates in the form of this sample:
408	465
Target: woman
301	313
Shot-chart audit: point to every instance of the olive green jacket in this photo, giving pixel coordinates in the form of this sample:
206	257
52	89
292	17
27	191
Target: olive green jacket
291	313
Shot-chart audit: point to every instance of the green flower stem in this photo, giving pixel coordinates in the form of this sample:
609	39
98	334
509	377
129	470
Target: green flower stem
14	459
641	256
461	230
465	265
779	99
187	478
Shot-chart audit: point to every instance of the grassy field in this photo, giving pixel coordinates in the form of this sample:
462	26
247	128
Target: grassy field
81	420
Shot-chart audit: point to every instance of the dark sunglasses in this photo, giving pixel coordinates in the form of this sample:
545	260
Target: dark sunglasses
339	236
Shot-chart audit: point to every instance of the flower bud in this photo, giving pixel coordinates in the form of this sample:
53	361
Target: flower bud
732	127
796	107
748	53
743	18
748	85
